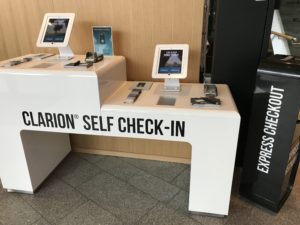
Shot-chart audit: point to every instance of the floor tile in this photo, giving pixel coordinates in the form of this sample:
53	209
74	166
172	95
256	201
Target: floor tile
290	212
14	211
164	215
90	214
157	188
4	194
180	202
41	221
75	170
119	198
133	202
165	170
256	214
262	216
183	180
241	210
54	199
92	158
293	201
118	167
253	213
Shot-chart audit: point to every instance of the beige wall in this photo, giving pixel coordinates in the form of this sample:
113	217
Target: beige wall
138	25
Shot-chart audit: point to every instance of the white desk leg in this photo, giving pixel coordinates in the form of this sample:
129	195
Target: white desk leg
28	157
212	165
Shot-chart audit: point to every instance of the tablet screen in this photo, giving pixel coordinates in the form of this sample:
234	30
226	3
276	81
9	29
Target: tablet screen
56	30
170	61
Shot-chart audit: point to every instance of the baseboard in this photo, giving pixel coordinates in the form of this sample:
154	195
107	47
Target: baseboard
132	155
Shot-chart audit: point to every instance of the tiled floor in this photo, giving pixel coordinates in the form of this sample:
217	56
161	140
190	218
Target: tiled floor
89	189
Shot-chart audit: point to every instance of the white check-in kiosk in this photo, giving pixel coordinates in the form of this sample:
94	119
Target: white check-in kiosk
42	102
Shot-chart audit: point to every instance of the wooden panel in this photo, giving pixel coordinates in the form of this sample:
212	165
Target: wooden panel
154	148
3	51
20	26
138	25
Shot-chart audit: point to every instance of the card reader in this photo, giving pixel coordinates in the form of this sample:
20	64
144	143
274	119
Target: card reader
205	101
132	97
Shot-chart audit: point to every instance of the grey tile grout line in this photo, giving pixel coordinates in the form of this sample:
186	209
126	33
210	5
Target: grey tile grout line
146	213
169	182
101	170
71	210
27	203
189	214
165	203
147	194
19	194
181	172
180	189
175	210
92	200
41	218
52	174
158	201
125	181
77	191
200	223
173	196
121	158
96	203
93	163
87	197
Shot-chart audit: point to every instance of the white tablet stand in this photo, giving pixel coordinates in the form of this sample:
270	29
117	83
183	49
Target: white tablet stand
65	53
170	63
172	84
55	33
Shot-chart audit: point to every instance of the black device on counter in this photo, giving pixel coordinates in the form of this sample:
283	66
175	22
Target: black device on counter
210	90
133	95
93	57
78	64
205	101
